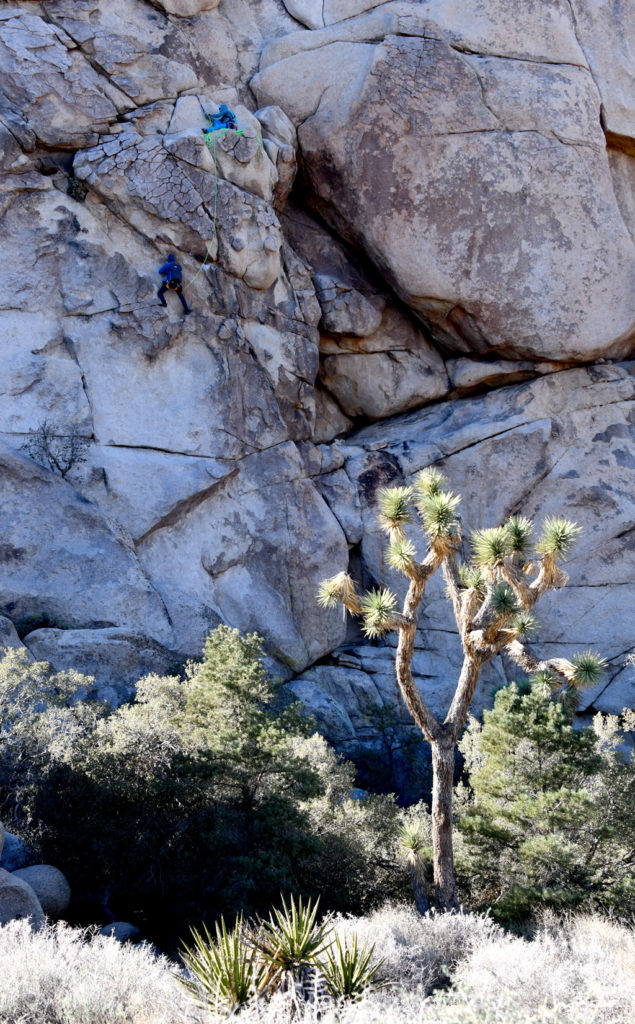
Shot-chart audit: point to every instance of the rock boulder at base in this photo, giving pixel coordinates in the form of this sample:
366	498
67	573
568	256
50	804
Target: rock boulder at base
16	853
18	900
50	887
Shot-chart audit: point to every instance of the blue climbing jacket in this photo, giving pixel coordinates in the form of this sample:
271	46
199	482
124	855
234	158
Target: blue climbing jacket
171	271
225	118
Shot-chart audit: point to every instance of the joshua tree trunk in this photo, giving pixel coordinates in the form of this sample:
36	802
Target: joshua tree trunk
445	895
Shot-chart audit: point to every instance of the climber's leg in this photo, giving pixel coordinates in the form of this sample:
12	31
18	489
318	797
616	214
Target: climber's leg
161	293
179	291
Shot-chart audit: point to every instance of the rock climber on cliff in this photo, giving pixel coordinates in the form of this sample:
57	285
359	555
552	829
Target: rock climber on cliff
172	279
225	118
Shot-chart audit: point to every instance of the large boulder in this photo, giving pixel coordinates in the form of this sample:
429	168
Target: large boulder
139	51
375	360
16	853
477	182
18	901
605	30
121	931
50	887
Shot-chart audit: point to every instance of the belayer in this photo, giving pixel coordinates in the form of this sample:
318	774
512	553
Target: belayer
172	275
225	118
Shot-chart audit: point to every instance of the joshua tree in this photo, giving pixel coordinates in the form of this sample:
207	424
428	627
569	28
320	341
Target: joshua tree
492	598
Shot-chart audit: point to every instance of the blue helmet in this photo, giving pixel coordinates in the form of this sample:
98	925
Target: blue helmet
171	258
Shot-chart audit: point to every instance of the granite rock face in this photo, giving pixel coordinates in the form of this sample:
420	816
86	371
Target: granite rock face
425	221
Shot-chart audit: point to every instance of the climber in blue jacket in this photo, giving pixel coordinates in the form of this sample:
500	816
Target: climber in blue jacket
172	275
225	118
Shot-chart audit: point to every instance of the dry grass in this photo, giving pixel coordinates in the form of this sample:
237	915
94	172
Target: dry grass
62	975
579	972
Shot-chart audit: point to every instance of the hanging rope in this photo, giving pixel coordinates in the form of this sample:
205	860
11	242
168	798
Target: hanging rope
210	141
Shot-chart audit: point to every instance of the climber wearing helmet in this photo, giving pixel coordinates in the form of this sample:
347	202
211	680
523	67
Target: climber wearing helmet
172	278
225	118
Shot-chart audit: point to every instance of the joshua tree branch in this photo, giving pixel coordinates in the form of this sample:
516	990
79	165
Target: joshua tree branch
557	666
523	591
417	707
463	694
453	581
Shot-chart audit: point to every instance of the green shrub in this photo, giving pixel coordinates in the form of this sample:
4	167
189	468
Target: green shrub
205	796
549	818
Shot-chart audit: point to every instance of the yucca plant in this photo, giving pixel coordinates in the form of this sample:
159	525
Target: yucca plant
401	554
558	537
290	943
395	508
492	600
225	972
473	577
413	841
524	624
490	546
504	600
438	514
338	588
428	482
519	530
589	668
377	607
349	971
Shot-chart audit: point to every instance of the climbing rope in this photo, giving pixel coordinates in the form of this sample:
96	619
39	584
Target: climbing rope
210	141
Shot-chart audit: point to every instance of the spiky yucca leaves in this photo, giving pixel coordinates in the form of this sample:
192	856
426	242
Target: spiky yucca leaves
524	625
439	518
395	509
225	971
401	554
349	972
558	537
377	607
339	588
589	668
428	482
413	840
412	837
585	669
291	942
473	578
504	601
519	529
491	545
